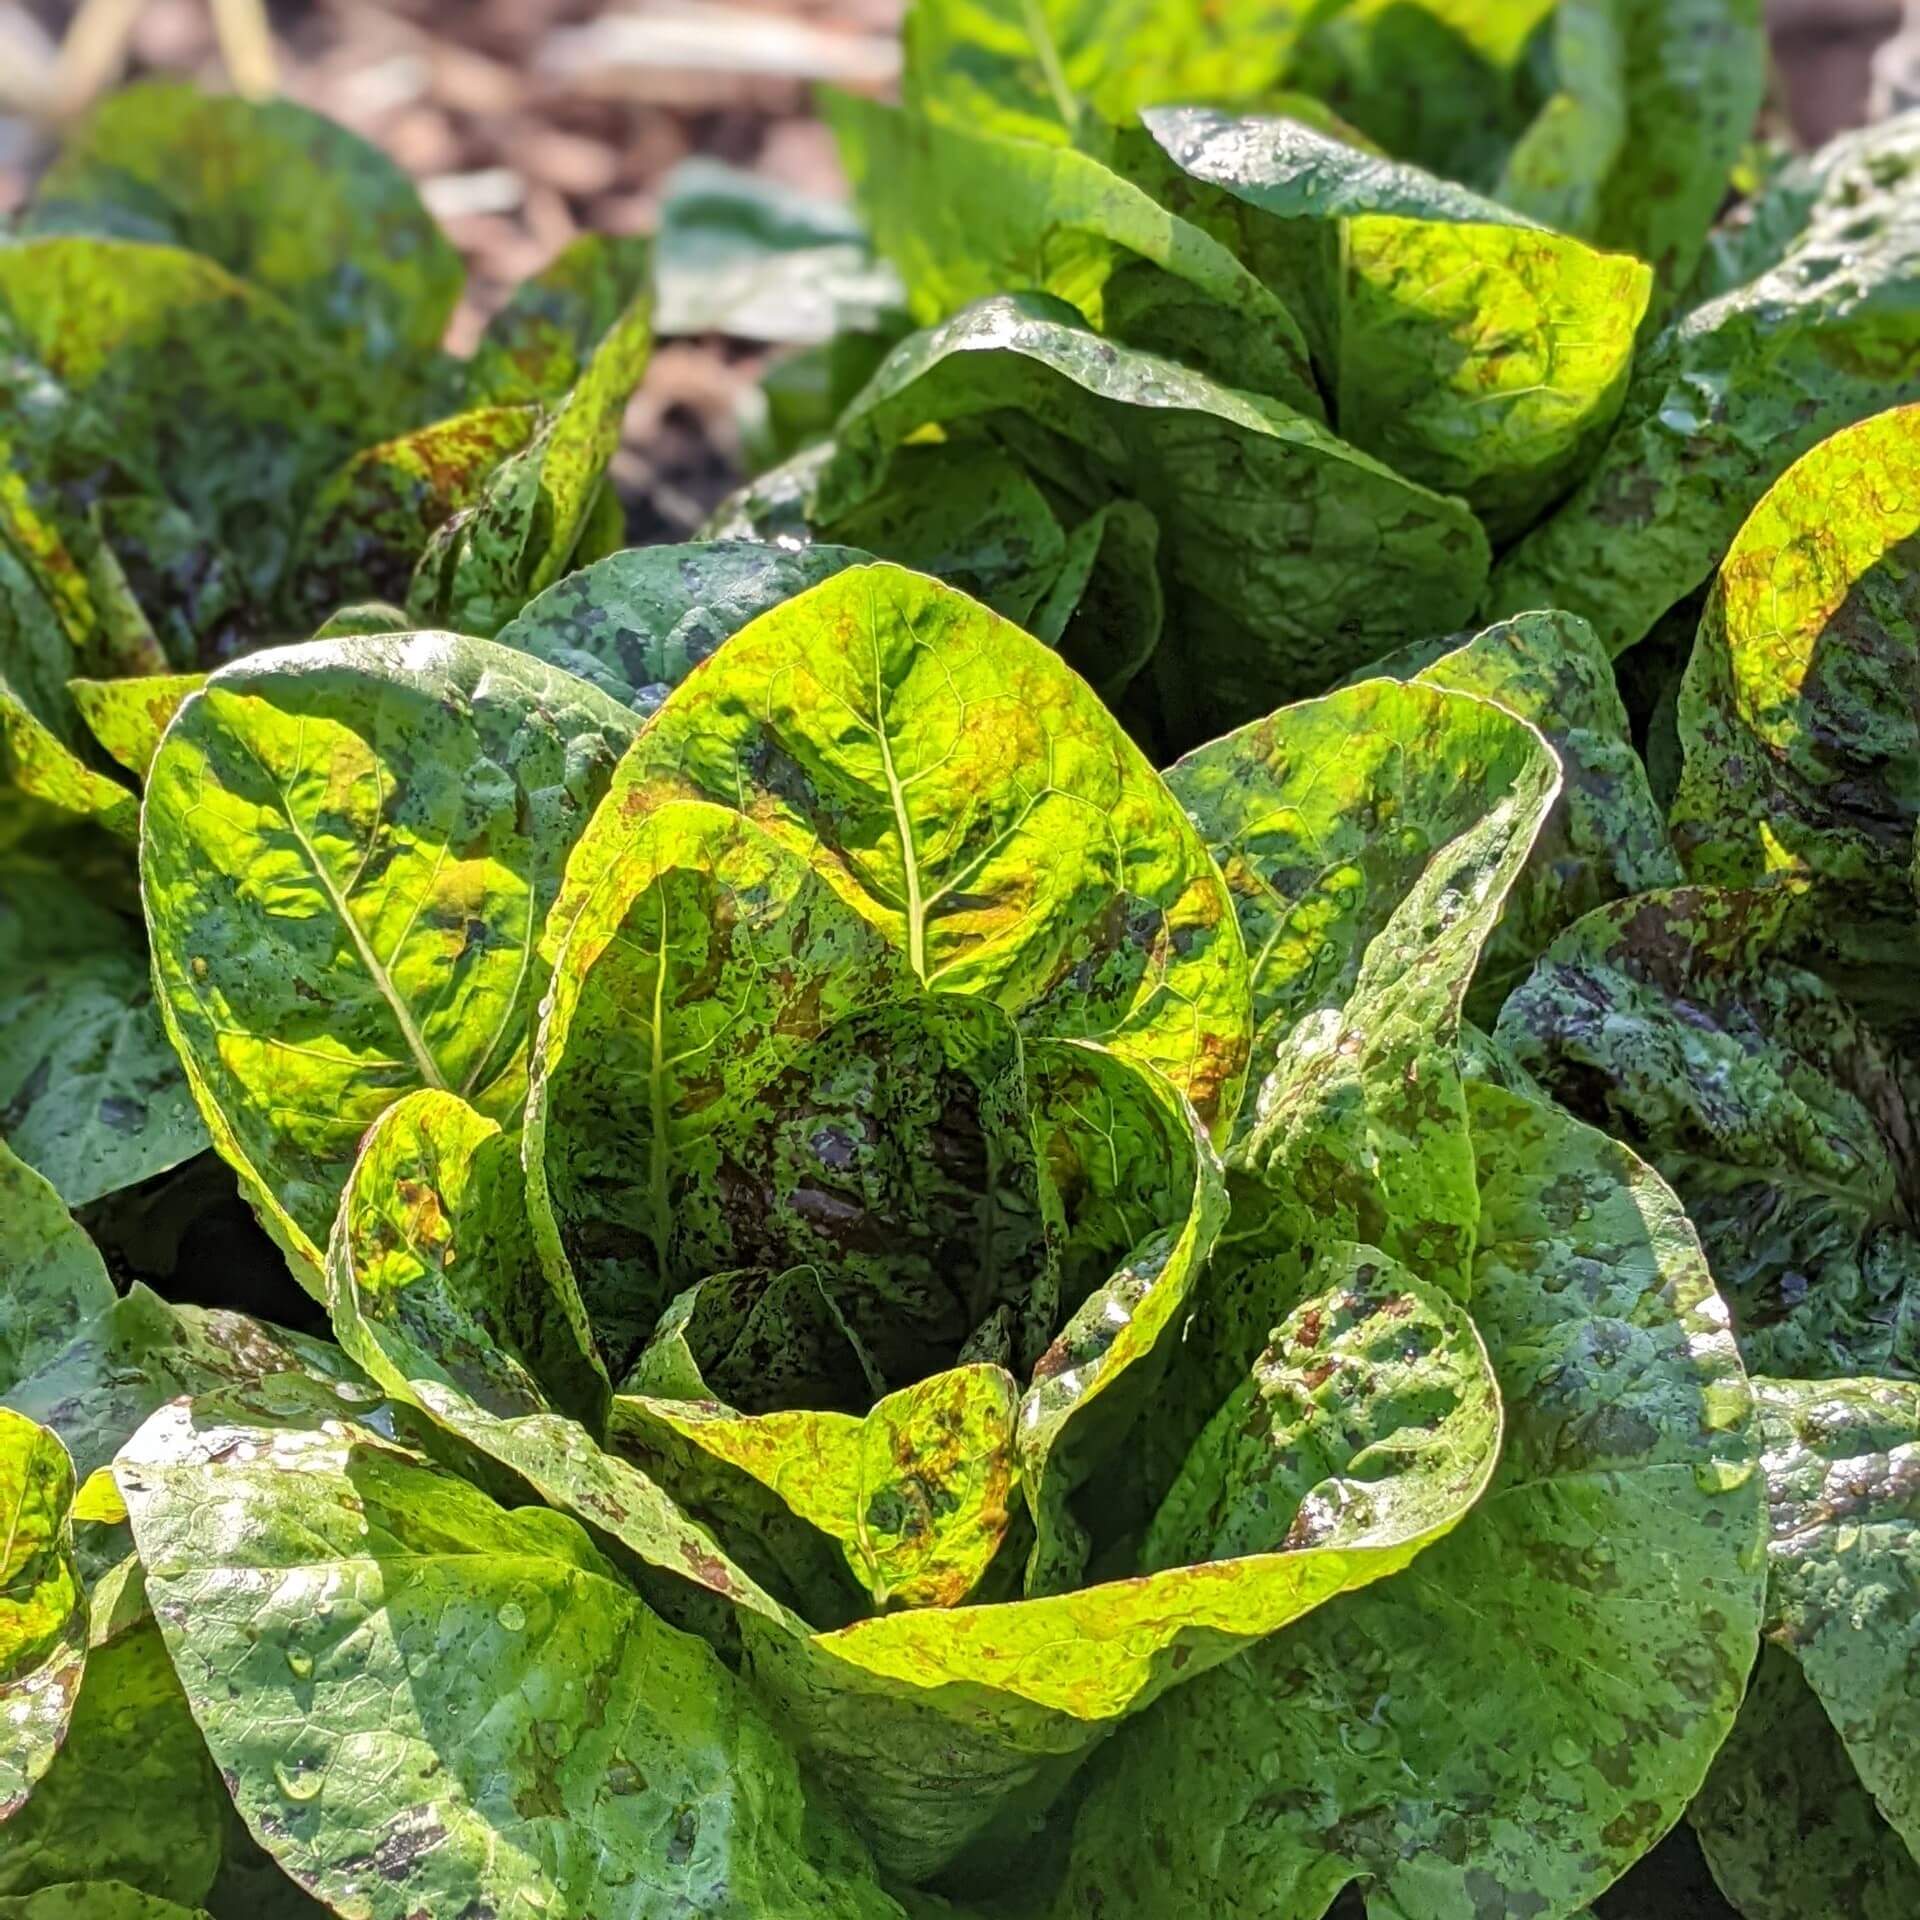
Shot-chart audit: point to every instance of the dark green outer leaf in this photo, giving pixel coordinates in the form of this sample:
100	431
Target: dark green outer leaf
637	623
1735	391
1783	1820
53	1274
276	194
349	851
966	794
1397	1737
1799	714
1784	1122
90	1091
480	1709
1291	555
1843	1596
94	1900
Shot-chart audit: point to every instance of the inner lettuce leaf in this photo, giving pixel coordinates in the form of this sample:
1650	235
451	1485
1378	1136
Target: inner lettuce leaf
1600	1602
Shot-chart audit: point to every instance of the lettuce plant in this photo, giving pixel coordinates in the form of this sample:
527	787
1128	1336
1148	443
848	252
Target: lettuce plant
228	415
1346	327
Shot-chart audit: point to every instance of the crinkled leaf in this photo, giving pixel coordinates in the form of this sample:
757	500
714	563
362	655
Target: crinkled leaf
1007	1697
965	214
54	1275
128	716
1290	555
132	1795
1374	1393
1365	943
1732	393
391	1668
1800	712
1783	1121
1472	352
637	623
370	522
275	193
1604	837
969	798
349	850
537	345
917	1492
1843	1592
742	255
431	1268
1514	1719
486	562
90	1090
1783	1820
43	1612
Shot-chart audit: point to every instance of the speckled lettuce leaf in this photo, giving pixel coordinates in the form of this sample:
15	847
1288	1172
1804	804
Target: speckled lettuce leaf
43	1611
1373	1392
1577	1646
1783	1121
1006	1698
1556	170
917	1492
128	716
348	1638
1798	711
638	622
1365	944
1470	351
371	521
367	616
1732	393
1605	836
486	562
209	381
970	799
965	214
1030	68
540	343
90	1090
1842	1463
1106	609
348	853
133	1795
1787	1829
1290	555
747	256
55	1276
707	965
431	1268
